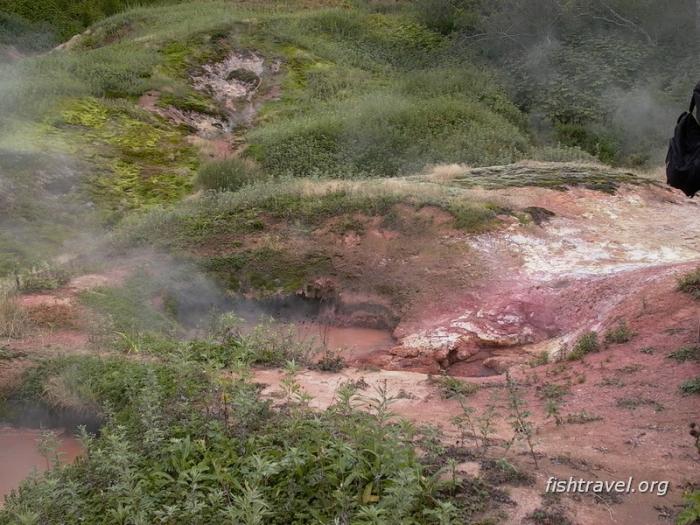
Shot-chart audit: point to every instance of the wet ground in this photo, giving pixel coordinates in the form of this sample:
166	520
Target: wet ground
20	455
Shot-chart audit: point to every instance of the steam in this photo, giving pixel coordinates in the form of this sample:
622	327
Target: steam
626	68
643	119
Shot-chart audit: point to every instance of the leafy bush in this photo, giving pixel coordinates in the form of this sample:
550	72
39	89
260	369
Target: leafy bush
331	362
451	387
540	359
686	353
182	447
585	344
227	175
691	386
46	277
691	512
619	334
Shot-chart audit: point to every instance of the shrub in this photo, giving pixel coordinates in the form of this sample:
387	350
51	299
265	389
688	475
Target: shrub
686	353
216	436
42	278
631	403
227	175
446	16
331	362
540	359
690	284
619	334
451	387
691	511
691	386
585	344
552	391
580	418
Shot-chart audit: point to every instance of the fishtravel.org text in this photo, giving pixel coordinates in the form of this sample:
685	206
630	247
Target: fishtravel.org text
628	486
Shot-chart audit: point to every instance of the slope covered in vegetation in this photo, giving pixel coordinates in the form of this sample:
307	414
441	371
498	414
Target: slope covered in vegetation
371	159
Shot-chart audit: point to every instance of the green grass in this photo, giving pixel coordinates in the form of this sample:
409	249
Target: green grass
363	92
66	19
305	201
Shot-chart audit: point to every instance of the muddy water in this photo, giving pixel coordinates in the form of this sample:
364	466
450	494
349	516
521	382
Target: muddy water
352	343
19	455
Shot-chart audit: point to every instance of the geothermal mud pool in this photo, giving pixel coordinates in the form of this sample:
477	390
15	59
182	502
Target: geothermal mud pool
20	456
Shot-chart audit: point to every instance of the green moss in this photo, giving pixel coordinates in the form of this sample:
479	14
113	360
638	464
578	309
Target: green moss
189	101
268	270
141	161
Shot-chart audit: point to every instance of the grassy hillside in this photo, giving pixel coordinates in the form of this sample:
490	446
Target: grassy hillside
61	19
363	93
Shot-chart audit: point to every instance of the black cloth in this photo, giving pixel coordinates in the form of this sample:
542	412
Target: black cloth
683	158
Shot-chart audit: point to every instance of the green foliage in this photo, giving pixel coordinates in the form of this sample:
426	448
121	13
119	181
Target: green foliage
631	403
585	344
67	19
552	391
306	202
690	284
385	134
45	277
331	361
619	334
691	513
501	471
127	319
376	95
227	175
691	386
446	16
180	446
686	353
147	163
580	418
540	359
24	34
268	270
583	76
451	387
